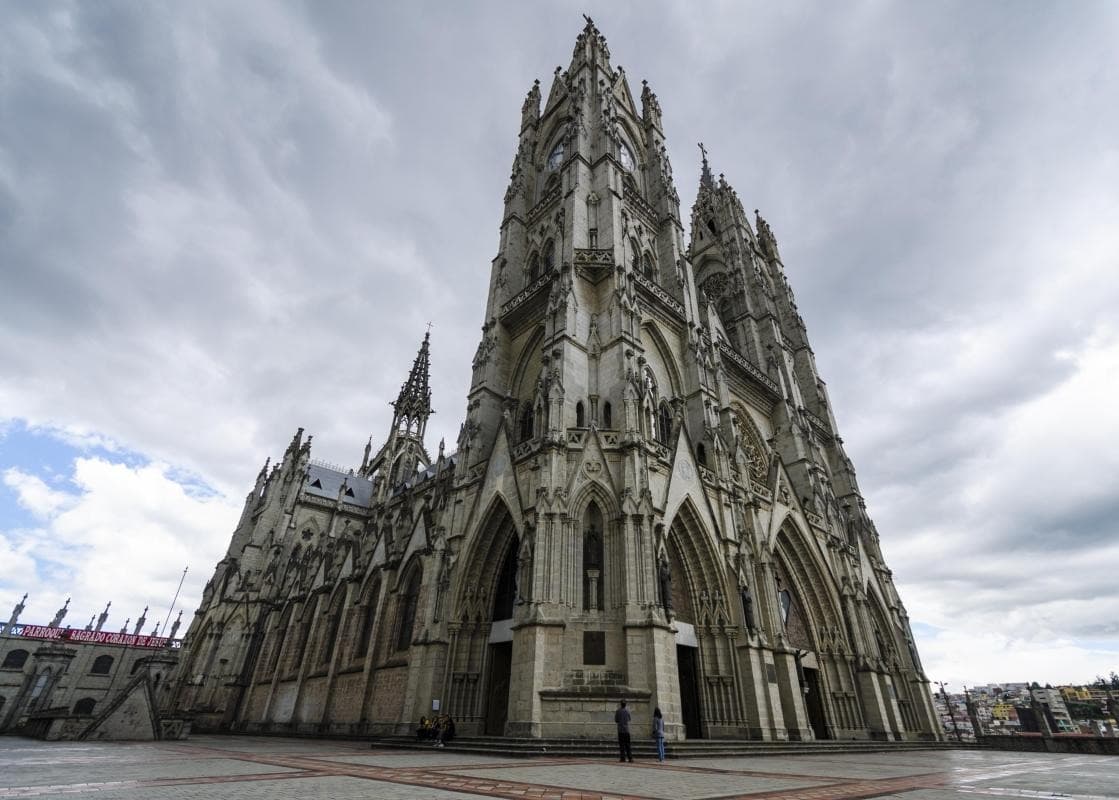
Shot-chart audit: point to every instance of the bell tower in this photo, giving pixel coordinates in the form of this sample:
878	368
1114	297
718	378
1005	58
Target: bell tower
651	502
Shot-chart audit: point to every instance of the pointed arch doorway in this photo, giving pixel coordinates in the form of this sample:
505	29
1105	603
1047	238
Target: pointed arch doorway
500	648
687	646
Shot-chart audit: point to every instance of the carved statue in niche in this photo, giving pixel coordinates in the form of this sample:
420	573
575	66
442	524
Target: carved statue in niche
664	582
748	607
524	565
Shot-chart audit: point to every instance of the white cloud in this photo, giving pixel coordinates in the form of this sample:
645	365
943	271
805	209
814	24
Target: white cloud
219	222
34	495
123	534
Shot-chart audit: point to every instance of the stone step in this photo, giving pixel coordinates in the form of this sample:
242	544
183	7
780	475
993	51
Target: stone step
646	748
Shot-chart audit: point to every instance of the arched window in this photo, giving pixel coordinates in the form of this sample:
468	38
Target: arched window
555	158
506	593
333	623
15	659
406	615
785	604
101	665
366	620
549	256
647	263
303	632
625	155
664	423
279	636
593	550
84	707
607	415
635	255
701	454
533	267
528	422
580	420
135	666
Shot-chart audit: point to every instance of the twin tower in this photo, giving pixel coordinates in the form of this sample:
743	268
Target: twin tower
649	499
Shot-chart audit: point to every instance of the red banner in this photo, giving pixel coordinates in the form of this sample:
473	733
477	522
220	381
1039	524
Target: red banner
92	637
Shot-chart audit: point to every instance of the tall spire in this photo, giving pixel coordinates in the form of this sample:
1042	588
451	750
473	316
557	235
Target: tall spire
706	179
413	404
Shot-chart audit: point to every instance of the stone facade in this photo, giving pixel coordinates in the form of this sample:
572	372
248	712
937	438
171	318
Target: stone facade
60	683
649	498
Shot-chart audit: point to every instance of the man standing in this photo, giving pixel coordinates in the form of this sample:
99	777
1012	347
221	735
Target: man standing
621	719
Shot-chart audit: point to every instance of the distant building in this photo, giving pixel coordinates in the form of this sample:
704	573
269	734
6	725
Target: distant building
64	683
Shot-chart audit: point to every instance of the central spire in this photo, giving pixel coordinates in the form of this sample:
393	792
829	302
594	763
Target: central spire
413	404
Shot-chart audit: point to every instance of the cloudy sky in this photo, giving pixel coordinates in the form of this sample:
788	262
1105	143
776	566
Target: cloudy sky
221	221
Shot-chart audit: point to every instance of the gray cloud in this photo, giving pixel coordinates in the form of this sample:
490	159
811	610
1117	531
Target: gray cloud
220	222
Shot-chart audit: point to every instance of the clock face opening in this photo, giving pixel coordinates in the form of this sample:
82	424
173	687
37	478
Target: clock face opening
626	157
555	158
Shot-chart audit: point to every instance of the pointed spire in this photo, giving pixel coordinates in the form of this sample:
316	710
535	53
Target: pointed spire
124	627
175	625
60	614
140	622
414	401
103	616
365	457
591	47
12	620
706	179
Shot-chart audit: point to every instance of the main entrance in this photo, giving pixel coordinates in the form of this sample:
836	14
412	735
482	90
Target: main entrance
689	691
497	689
814	701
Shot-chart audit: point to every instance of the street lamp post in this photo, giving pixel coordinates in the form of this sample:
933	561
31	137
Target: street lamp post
948	705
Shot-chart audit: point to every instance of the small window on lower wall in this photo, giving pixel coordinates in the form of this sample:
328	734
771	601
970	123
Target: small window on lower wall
84	706
594	647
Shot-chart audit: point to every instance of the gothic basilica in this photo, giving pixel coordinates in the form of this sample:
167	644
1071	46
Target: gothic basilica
649	499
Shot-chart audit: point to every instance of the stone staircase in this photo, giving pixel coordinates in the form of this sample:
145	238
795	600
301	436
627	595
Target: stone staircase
645	749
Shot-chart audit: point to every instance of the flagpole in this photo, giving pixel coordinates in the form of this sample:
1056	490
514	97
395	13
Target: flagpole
171	610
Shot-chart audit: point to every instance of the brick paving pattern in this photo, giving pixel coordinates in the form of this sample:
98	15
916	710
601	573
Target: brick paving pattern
252	768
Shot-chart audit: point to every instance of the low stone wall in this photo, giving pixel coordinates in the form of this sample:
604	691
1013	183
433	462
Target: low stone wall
1096	745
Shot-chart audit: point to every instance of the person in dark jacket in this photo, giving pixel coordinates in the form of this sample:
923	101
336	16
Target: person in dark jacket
658	732
621	719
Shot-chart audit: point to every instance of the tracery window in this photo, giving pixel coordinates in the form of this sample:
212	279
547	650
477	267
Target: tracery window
625	155
549	256
555	158
366	620
785	603
607	415
333	623
664	424
649	268
580	417
533	267
528	422
406	616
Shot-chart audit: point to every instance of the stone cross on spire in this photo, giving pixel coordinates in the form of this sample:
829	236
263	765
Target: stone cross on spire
706	179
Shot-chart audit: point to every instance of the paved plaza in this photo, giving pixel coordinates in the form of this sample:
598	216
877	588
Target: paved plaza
247	768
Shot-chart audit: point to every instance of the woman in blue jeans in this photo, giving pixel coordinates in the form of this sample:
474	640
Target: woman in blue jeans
658	732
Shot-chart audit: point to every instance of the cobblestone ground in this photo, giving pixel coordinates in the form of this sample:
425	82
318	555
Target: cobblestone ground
247	768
